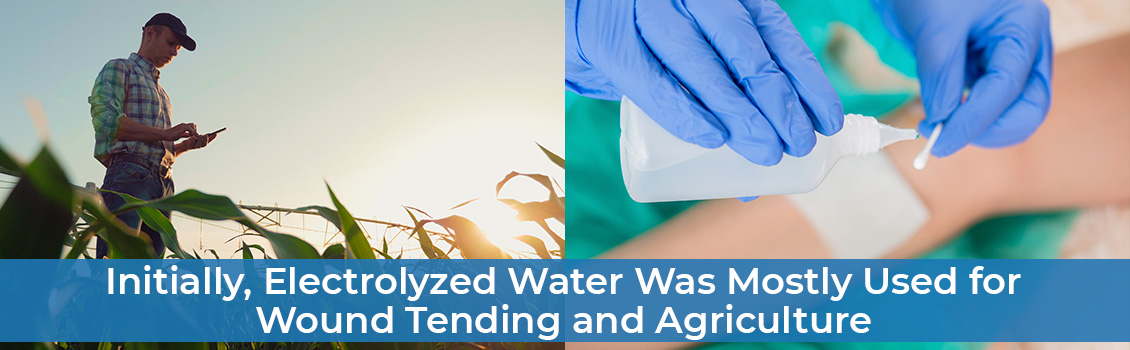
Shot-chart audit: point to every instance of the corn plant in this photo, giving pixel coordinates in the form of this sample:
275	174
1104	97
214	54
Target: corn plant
45	216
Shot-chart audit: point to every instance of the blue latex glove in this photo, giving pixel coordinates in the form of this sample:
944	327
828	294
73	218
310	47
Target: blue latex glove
1001	49
732	72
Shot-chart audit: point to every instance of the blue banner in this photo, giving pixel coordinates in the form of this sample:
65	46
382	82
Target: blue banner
565	300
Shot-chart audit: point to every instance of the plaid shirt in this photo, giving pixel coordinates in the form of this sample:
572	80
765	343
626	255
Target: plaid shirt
128	87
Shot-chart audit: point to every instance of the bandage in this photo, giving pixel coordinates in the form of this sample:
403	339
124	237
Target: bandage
864	208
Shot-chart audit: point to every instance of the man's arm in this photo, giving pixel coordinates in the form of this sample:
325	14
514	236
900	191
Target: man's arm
109	118
107	100
131	130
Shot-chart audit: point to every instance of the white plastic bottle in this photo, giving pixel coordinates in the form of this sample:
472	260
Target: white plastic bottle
659	167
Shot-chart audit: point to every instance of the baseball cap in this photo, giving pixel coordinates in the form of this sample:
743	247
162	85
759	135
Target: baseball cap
174	23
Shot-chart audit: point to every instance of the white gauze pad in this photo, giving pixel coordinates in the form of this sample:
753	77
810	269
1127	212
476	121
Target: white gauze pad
864	208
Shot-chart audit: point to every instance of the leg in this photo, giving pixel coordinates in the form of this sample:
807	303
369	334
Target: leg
1080	156
113	202
137	181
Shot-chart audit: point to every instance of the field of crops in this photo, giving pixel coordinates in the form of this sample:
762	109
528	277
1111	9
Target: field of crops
46	217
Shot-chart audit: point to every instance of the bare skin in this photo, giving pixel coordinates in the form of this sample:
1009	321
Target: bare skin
159	46
1080	156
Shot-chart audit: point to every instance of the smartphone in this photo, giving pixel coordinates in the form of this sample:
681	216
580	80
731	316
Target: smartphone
215	132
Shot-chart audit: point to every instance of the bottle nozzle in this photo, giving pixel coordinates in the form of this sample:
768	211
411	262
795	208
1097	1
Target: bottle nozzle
889	134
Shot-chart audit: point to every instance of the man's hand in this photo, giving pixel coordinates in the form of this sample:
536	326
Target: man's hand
181	131
194	142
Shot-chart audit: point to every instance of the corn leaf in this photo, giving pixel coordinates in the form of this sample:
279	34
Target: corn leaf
418	211
260	249
82	240
212	207
556	238
156	219
534	211
195	204
45	173
336	251
470	240
355	240
544	180
384	247
286	246
9	165
36	217
537	244
552	157
31	225
327	213
421	236
124	242
464	203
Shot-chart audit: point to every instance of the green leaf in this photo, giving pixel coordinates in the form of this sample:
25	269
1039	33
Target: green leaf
384	255
354	238
336	251
537	244
241	235
260	249
156	220
212	207
49	179
246	251
552	157
9	165
422	236
327	213
286	246
384	248
36	217
82	240
196	204
384	245
124	242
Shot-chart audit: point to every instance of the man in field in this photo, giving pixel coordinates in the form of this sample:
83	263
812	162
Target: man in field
134	136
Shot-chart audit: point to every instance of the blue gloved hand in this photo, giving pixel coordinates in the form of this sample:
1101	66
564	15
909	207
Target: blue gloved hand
1001	49
732	72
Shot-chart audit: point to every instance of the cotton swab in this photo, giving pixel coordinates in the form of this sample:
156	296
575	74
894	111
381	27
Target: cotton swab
920	160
